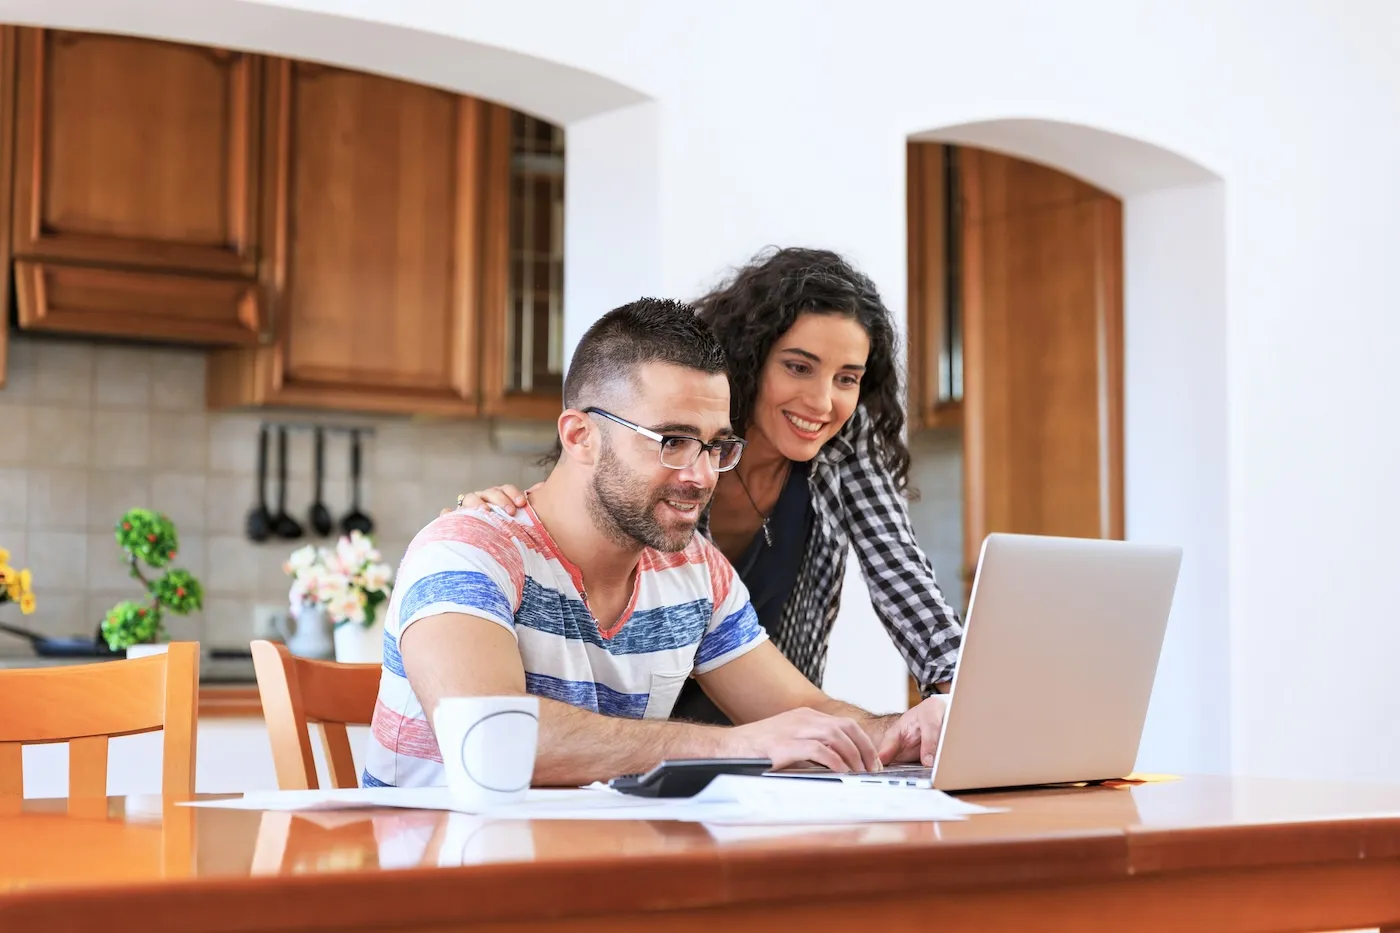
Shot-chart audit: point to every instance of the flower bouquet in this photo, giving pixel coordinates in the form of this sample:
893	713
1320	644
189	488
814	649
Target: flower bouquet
16	586
347	584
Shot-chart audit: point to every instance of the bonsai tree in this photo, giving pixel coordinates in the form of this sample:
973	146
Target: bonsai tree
149	538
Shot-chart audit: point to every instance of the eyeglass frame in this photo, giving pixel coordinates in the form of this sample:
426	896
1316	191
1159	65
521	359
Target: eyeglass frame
661	439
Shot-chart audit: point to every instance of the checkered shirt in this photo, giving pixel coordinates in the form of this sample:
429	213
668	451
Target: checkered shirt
855	502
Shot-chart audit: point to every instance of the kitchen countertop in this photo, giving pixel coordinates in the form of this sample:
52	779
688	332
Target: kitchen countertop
218	666
228	689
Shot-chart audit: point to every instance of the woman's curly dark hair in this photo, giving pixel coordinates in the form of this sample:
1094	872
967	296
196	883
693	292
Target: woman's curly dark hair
749	312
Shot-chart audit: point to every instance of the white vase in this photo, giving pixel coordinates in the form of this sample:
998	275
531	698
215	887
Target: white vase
312	638
142	651
360	644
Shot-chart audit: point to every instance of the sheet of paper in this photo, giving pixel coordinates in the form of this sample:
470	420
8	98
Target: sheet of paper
729	800
761	800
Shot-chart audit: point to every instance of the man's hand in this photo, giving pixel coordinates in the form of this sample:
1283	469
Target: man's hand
804	735
914	736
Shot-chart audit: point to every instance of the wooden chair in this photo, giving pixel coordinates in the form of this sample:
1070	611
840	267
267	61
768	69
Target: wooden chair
298	691
86	704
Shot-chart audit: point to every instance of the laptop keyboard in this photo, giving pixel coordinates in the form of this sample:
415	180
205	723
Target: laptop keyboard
893	771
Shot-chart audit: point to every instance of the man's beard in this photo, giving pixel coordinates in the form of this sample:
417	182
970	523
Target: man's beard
624	509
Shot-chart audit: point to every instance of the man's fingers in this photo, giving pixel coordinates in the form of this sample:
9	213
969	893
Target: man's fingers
892	742
820	753
929	733
928	744
869	756
834	737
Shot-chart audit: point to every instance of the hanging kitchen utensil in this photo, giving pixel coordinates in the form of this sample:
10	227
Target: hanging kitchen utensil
355	520
321	521
259	523
285	526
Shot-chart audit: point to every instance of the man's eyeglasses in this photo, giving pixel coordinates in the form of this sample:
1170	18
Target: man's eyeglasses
679	451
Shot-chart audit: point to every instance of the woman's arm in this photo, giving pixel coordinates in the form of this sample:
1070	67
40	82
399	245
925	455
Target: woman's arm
903	590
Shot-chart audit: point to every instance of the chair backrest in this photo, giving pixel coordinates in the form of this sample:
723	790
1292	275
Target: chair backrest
86	704
297	691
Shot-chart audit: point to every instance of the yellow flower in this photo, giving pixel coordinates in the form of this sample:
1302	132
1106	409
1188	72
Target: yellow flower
26	581
26	603
4	557
7	574
13	591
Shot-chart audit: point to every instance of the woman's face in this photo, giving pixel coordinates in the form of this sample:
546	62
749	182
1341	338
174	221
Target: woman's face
810	383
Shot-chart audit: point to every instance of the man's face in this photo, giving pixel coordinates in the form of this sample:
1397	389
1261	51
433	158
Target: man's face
635	498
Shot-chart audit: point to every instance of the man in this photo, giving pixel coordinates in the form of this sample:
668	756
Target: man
599	598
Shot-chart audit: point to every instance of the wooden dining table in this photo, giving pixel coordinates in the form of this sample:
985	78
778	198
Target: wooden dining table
1192	854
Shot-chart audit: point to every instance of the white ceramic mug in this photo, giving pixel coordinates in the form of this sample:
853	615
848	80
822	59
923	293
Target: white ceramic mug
488	748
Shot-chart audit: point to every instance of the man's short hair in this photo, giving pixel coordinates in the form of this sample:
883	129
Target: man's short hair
649	330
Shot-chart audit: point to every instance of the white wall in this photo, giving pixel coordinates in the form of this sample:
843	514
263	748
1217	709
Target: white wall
612	235
1174	459
784	121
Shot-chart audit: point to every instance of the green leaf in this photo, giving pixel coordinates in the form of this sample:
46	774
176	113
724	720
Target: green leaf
131	623
179	591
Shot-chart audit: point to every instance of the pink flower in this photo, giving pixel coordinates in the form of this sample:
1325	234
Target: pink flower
347	607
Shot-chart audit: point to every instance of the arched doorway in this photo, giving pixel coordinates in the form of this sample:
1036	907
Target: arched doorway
1165	460
466	63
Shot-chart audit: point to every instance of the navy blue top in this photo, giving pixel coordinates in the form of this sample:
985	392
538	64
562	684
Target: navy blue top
769	573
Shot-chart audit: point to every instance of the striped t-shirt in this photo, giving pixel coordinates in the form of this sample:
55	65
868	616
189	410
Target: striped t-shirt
689	612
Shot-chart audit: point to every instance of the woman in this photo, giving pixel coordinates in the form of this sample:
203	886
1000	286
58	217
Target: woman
815	392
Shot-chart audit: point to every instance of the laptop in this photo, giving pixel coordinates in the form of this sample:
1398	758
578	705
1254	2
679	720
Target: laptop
1060	651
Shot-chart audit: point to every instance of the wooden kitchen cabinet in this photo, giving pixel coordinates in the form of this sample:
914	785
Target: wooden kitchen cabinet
7	151
136	187
522	328
386	237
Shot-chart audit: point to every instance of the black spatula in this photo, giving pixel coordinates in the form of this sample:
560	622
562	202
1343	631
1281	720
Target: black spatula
321	521
259	523
355	520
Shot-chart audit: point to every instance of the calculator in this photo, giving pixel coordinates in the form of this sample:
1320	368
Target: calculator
686	777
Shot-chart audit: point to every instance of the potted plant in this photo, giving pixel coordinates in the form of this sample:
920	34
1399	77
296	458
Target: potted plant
138	626
346	586
16	586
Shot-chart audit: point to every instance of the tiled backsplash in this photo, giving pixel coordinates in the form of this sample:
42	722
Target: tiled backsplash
88	430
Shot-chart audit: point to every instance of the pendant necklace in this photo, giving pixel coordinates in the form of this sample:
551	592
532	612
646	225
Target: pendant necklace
767	534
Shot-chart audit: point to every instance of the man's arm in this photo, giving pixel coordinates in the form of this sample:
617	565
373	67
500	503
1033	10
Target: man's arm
764	683
455	654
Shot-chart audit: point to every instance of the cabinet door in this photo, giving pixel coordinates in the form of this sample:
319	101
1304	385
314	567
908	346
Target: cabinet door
377	247
144	305
136	166
136	153
1043	399
522	314
7	150
935	286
